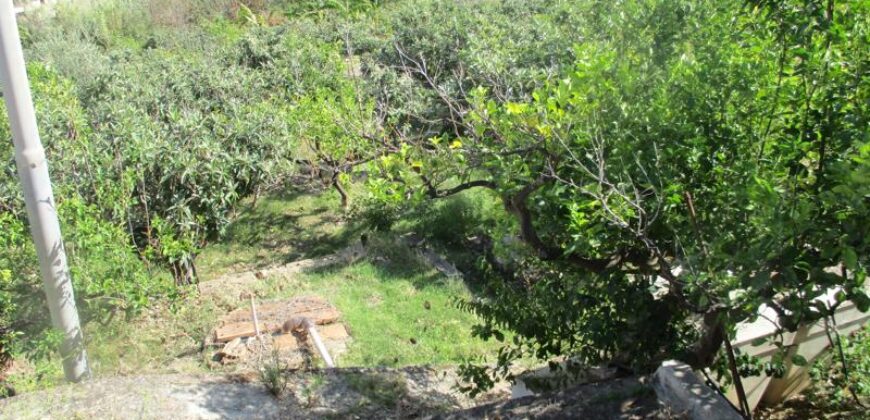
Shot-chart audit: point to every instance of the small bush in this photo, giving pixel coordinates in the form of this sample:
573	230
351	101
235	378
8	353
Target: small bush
834	386
273	374
376	214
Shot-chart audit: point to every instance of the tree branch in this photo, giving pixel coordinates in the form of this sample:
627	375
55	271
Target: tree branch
433	191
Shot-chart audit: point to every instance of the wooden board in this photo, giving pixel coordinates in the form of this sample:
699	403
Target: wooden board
328	333
333	332
235	330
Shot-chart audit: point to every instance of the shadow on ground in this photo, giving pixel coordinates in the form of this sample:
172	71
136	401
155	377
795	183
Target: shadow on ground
339	393
278	229
371	393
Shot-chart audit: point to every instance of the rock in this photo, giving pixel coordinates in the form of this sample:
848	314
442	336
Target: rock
234	350
677	386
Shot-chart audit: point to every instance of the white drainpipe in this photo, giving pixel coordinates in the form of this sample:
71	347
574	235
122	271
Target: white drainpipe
298	323
33	172
319	344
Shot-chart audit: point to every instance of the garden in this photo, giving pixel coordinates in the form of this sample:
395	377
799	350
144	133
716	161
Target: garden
619	183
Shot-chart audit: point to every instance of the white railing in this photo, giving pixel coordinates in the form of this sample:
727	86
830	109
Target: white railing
809	341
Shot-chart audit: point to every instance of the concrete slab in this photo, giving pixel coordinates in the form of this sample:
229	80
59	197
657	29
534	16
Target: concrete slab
677	386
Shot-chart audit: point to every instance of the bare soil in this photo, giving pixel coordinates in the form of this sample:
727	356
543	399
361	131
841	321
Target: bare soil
800	407
623	398
338	393
418	392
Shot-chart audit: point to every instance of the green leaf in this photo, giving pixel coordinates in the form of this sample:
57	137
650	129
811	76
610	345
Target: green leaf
514	108
861	301
799	360
850	258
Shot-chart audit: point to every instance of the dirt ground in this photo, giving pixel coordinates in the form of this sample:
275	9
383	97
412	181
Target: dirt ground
800	407
418	392
339	393
624	398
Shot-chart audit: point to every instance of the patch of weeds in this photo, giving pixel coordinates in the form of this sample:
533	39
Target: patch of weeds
272	374
376	214
311	390
42	373
829	395
6	391
393	256
167	337
834	386
382	389
195	319
40	364
450	220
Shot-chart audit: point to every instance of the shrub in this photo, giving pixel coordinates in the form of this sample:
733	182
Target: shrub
833	386
681	138
106	270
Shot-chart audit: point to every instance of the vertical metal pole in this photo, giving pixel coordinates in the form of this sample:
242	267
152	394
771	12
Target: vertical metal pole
33	171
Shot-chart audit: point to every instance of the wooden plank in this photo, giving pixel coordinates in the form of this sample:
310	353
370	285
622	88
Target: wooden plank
281	310
319	316
235	330
329	332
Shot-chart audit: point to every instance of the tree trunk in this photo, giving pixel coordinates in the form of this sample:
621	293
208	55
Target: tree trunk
710	342
184	271
341	191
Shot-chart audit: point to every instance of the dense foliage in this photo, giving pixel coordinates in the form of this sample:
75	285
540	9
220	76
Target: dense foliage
662	168
696	162
726	173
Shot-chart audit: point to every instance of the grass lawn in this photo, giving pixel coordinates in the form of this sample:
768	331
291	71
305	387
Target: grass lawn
280	228
399	310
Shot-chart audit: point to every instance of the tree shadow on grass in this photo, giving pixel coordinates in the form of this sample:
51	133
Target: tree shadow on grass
392	261
285	227
298	224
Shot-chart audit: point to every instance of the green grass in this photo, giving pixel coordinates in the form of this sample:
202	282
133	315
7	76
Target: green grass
166	339
163	339
398	311
281	228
